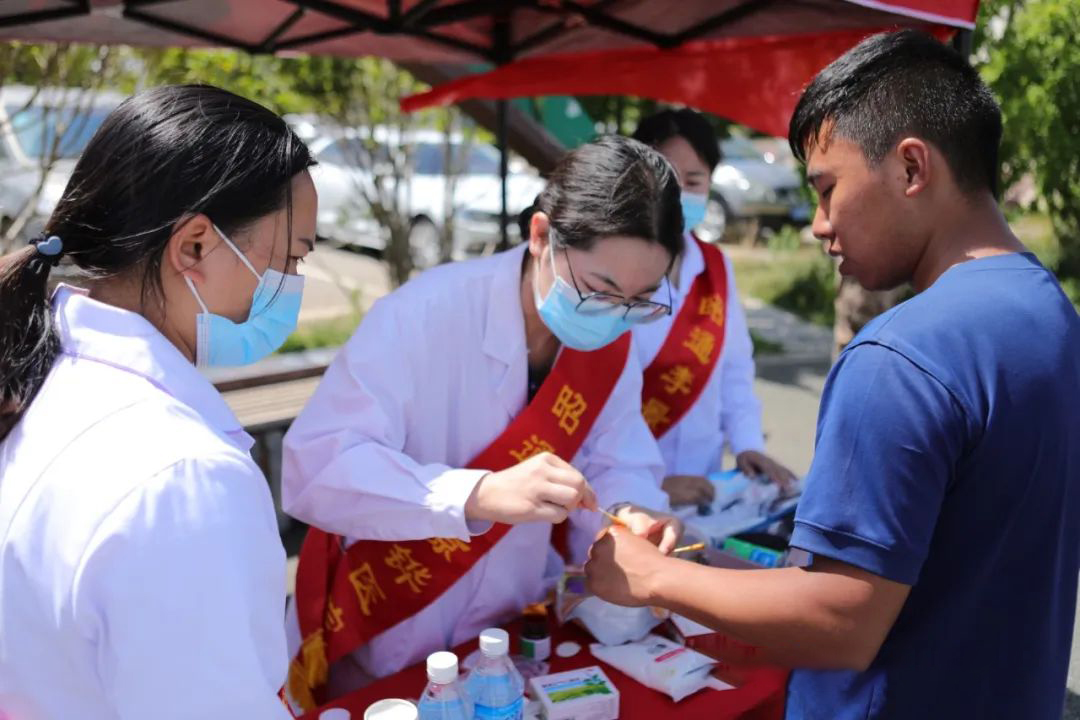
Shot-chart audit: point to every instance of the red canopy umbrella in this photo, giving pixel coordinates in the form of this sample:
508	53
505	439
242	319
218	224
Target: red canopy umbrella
454	31
749	68
743	59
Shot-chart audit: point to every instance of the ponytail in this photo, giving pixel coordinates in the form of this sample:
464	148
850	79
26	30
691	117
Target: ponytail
28	342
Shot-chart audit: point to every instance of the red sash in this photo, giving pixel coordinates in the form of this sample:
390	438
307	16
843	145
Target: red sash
346	597
682	368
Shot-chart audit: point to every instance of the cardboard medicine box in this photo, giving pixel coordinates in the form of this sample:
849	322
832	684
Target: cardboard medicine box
585	694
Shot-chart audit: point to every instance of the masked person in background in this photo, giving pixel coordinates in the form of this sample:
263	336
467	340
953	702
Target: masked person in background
474	408
141	573
699	361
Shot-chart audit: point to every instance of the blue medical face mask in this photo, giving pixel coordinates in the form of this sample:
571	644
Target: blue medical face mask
693	210
574	329
275	307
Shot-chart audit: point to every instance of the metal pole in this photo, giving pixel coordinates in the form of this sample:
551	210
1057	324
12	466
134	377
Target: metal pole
963	42
504	171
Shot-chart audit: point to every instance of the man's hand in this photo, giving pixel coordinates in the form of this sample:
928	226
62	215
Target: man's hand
661	529
621	567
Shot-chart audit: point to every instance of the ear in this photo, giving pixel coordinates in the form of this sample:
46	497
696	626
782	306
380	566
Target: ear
914	156
191	241
538	234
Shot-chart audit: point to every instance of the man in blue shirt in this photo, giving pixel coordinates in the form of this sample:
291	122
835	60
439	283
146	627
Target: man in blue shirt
942	508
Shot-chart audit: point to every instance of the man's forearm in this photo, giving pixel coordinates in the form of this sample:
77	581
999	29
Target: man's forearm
797	617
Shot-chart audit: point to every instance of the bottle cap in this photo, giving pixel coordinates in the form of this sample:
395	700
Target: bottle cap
494	642
391	709
442	668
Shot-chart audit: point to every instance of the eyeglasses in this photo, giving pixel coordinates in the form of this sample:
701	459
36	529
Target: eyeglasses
602	303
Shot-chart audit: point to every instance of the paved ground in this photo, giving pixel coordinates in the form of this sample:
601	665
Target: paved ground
337	281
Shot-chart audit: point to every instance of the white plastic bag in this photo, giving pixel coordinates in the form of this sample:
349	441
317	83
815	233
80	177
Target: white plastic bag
610	624
662	665
614	624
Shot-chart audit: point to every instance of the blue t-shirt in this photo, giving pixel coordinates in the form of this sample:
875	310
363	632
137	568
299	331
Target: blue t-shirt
948	459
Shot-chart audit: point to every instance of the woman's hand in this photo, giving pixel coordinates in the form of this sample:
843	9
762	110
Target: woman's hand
544	488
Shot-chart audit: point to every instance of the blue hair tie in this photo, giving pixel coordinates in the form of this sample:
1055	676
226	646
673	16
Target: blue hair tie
51	248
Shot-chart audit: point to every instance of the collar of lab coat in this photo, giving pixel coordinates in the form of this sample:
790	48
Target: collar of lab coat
693	264
127	341
504	328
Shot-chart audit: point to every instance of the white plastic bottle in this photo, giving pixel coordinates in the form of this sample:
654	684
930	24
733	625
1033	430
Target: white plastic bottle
444	697
495	686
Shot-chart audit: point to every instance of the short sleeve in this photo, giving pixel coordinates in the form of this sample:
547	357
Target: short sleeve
889	437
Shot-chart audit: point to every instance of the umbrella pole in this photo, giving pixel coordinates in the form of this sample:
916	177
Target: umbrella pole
504	171
963	42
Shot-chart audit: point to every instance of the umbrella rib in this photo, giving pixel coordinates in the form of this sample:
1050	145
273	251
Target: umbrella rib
469	10
542	36
183	29
727	17
294	43
609	22
37	16
362	21
284	27
417	11
334	34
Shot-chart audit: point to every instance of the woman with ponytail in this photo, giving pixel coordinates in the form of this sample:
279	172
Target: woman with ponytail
141	574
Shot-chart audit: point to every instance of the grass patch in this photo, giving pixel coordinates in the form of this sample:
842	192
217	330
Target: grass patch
1034	230
322	334
799	280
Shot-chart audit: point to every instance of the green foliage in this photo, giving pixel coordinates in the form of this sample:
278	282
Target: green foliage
1031	59
262	78
811	293
61	65
802	281
786	239
327	333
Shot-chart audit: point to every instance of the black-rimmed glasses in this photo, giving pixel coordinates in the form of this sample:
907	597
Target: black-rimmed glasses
602	303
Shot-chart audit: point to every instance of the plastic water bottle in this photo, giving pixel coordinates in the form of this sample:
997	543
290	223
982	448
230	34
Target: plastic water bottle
444	697
495	685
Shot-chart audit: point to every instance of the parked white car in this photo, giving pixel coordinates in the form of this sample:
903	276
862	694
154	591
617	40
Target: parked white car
749	184
30	119
346	218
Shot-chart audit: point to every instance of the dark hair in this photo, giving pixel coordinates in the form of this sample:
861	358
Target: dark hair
614	186
658	128
524	220
162	156
898	84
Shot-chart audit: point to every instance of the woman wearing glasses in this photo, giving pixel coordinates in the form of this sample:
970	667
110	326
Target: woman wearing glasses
475	408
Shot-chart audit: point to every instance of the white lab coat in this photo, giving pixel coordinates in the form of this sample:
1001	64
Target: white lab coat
727	410
434	374
141	572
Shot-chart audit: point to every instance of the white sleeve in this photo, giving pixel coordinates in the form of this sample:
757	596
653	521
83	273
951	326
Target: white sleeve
344	469
182	590
620	459
740	410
